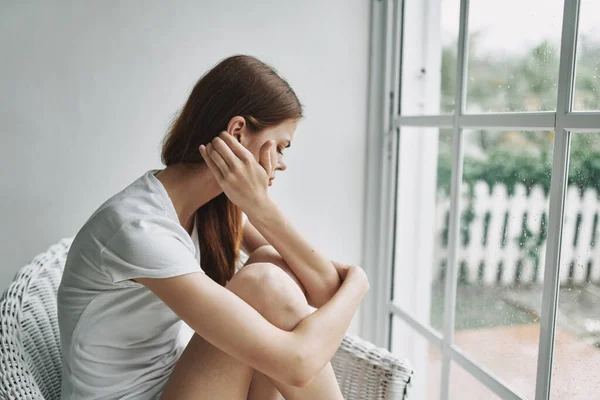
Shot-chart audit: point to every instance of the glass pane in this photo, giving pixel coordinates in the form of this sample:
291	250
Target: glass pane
430	38
513	55
424	357
576	373
506	180
587	76
422	223
463	386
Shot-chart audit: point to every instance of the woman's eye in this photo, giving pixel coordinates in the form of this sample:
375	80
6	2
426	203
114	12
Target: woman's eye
280	150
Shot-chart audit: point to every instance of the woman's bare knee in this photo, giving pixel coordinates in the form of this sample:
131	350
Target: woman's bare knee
268	254
271	292
265	253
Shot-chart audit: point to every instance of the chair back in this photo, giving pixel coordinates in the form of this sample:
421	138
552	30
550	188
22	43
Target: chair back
30	356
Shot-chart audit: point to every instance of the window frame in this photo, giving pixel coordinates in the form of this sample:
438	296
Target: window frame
381	185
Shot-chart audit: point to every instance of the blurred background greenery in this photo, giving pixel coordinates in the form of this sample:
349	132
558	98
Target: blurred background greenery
518	83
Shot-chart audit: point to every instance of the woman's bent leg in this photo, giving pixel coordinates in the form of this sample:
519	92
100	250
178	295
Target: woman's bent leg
325	385
205	372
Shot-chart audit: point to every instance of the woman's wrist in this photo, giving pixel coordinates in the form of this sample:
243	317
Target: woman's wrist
259	212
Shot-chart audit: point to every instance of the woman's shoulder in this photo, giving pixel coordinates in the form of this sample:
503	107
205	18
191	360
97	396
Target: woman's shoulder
143	197
148	246
133	234
139	215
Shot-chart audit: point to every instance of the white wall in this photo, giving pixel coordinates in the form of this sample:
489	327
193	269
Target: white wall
88	89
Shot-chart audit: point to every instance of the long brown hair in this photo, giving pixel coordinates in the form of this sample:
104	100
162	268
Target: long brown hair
239	85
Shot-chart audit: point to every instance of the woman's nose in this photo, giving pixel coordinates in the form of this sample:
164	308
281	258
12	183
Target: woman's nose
282	166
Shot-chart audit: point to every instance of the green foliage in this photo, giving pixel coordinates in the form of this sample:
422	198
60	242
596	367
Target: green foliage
587	78
509	167
517	82
500	82
584	164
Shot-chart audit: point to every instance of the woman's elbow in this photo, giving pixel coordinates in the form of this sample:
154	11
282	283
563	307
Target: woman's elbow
326	292
303	371
300	381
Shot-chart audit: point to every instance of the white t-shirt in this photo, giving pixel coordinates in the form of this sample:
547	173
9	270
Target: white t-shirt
120	341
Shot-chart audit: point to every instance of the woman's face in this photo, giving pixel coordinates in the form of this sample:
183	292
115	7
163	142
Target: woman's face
281	134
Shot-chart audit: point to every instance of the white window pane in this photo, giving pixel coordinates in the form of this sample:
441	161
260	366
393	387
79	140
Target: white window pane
513	55
422	222
506	179
463	386
576	367
424	357
587	77
428	76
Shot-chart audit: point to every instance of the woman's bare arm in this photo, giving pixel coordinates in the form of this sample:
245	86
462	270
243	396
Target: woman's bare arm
252	240
317	274
230	324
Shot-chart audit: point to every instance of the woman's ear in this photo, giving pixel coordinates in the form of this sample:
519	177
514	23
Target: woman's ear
237	128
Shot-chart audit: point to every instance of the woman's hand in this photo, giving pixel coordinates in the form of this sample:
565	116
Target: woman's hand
351	272
242	178
342	269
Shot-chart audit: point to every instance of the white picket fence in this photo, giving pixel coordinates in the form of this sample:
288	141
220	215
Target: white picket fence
494	254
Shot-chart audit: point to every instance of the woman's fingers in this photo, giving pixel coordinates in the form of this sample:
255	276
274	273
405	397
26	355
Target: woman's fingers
225	152
240	151
211	164
264	157
242	179
217	158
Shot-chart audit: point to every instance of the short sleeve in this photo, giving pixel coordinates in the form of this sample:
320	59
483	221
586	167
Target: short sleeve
243	257
149	248
241	261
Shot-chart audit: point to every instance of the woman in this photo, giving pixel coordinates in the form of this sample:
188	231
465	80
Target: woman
133	272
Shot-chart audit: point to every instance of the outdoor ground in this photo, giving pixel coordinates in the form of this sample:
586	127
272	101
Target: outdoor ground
499	329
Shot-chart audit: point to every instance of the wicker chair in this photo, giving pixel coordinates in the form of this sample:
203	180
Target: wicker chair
30	357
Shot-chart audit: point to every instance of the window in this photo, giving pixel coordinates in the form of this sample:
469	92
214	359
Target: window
486	257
